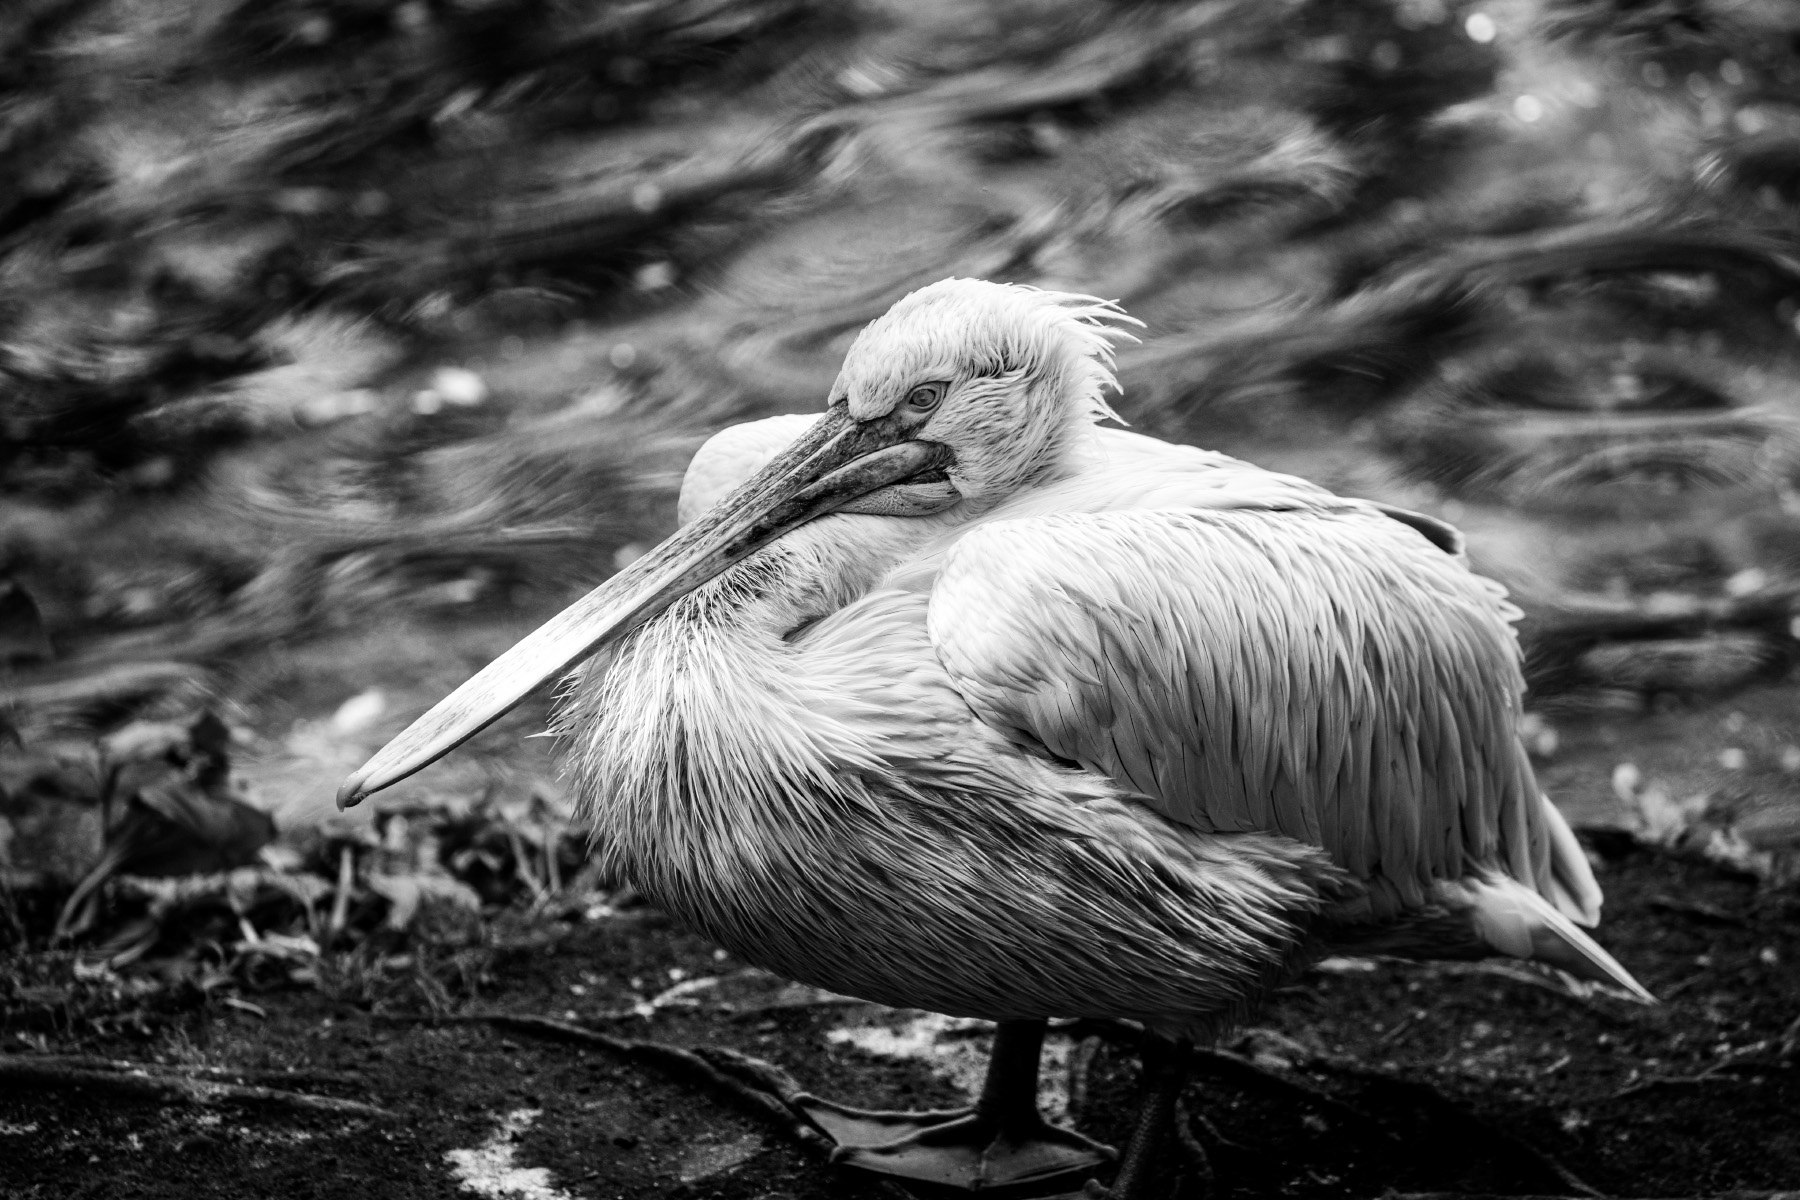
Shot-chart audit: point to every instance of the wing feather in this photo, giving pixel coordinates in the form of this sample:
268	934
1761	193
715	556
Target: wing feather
1452	780
1326	675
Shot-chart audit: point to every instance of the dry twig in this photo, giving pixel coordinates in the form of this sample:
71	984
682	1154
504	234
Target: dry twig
1743	1059
166	1084
1195	1159
757	1086
200	1070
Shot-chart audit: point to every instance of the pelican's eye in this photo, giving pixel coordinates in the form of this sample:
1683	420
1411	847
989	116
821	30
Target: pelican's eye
926	397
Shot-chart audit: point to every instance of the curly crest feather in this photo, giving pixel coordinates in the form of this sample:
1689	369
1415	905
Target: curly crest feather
1026	367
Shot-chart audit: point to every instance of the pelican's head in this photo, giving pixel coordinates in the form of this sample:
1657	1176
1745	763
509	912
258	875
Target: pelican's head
959	395
998	374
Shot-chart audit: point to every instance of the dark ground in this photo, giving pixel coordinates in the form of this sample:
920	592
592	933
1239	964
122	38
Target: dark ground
1439	1079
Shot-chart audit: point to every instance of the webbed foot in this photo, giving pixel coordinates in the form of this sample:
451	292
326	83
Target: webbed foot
957	1147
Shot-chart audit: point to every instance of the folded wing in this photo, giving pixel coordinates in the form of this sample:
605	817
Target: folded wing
1331	676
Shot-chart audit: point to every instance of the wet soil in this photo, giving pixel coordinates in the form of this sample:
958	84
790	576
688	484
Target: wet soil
1418	1078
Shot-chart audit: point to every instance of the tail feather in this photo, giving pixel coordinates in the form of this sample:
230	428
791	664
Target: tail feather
1514	920
1571	885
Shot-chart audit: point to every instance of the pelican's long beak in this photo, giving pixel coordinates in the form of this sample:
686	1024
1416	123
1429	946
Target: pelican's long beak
834	463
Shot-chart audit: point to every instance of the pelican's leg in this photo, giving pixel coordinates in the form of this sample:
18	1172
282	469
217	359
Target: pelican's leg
1002	1140
1165	1070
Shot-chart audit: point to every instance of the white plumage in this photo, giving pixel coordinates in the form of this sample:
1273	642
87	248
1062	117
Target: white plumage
956	700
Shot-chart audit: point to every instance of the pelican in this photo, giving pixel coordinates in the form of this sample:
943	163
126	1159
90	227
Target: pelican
955	699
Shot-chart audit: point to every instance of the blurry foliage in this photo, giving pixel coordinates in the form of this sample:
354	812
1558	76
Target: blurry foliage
182	884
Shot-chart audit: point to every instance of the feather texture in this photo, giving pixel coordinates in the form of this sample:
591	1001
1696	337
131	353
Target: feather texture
1328	676
830	809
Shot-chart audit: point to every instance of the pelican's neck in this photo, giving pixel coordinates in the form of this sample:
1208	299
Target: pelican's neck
703	711
817	569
